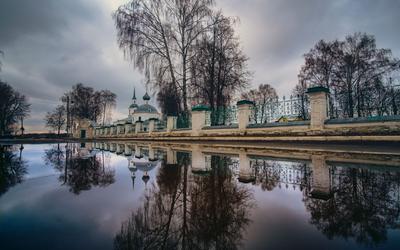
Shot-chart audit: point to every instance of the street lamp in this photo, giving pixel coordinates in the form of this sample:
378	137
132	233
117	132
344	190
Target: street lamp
69	101
22	126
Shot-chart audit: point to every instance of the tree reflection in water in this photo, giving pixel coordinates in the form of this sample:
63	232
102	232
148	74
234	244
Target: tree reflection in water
186	211
364	206
271	174
80	169
12	167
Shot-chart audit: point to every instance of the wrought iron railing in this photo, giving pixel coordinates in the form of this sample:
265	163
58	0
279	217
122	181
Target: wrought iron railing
293	109
222	116
184	120
145	126
160	125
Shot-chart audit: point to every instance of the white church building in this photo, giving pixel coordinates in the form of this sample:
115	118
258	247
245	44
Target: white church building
140	112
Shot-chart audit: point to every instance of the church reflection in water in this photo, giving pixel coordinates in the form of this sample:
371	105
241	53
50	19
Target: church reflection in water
202	195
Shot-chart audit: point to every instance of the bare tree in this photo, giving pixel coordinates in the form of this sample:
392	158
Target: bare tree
319	66
300	92
168	100
160	35
354	70
108	101
87	103
56	119
220	67
263	98
13	107
359	62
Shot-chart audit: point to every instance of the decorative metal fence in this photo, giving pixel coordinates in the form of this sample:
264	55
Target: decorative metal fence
275	173
145	126
292	109
222	116
184	120
161	125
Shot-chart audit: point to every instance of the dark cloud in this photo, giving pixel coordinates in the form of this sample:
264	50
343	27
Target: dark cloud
51	45
276	33
23	18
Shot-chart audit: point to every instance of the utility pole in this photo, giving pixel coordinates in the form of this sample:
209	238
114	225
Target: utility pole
68	116
22	126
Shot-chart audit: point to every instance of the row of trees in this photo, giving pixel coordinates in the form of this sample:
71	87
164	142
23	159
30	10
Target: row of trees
14	107
81	102
188	51
361	77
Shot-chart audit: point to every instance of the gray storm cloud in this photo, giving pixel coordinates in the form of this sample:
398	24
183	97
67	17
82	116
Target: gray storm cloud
50	45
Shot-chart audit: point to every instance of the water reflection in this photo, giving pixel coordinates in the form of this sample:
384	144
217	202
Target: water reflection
202	196
189	211
12	167
80	167
365	204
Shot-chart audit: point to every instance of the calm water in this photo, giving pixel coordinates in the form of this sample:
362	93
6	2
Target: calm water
137	196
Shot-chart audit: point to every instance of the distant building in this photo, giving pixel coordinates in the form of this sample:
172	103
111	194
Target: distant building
140	112
84	128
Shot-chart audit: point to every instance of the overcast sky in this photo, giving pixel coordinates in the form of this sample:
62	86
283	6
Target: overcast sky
49	45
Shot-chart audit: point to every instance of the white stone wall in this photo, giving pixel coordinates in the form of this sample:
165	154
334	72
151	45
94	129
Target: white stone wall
145	116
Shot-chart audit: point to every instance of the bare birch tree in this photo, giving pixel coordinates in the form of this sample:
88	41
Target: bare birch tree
159	36
220	69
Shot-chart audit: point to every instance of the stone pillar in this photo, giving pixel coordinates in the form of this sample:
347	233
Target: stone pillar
318	106
321	186
171	156
152	125
246	174
113	147
128	128
138	152
152	155
118	129
127	150
244	113
138	126
119	149
198	160
171	123
111	130
199	119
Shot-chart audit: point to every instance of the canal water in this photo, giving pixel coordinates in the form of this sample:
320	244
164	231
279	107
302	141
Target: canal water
187	196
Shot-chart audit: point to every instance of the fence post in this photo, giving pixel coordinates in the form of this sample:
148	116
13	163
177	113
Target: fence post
246	173
118	129
128	127
244	113
321	186
199	118
318	106
138	126
152	125
171	123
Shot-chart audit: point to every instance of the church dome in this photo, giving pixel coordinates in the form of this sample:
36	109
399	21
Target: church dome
133	106
145	166
146	97
146	108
